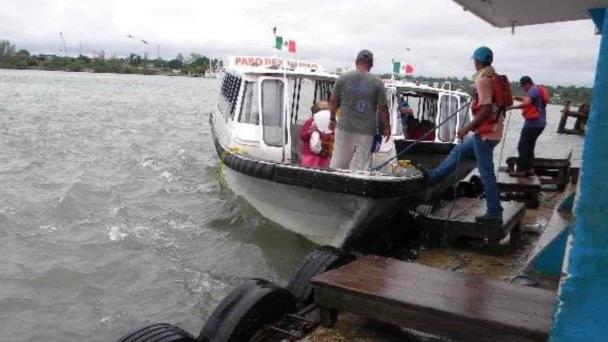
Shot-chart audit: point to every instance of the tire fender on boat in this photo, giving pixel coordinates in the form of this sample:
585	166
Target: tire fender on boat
158	332
245	310
318	261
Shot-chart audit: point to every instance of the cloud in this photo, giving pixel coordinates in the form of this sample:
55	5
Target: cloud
439	34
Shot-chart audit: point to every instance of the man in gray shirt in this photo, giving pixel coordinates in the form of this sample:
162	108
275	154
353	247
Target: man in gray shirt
360	95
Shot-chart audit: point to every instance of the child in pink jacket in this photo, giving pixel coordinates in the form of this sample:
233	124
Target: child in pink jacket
308	157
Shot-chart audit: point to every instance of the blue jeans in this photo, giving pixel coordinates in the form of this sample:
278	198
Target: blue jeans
483	151
527	143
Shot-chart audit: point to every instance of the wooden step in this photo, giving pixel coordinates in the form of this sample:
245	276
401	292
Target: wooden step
461	220
443	303
522	189
552	168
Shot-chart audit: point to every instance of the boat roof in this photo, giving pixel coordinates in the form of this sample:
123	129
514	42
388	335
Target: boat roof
274	66
509	13
417	87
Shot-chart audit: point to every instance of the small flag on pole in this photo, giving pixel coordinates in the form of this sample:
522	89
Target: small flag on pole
402	68
279	43
409	69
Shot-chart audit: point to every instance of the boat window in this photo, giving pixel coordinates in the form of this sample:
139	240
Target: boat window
303	92
323	90
250	112
448	104
272	112
229	93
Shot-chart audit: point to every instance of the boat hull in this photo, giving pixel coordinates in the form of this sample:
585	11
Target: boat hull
325	218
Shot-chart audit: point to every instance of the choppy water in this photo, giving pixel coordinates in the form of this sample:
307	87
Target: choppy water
110	210
111	215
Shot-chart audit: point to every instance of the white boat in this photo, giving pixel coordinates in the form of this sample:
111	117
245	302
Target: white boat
262	104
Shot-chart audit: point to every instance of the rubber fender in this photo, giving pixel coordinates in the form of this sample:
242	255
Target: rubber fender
334	181
247	167
158	332
245	310
264	170
318	261
237	163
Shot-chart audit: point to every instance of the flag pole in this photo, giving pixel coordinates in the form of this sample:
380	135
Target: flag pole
285	99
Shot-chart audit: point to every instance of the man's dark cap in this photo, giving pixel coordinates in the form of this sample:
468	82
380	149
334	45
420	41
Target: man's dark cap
525	80
365	55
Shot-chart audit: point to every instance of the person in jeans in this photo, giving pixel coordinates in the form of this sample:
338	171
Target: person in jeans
360	95
487	127
535	114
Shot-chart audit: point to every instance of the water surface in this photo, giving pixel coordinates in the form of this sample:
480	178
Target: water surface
111	215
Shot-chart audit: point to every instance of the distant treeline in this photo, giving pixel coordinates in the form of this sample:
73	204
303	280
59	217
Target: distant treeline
559	94
194	65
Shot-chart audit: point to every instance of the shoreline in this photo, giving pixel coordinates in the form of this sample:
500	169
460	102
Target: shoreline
111	72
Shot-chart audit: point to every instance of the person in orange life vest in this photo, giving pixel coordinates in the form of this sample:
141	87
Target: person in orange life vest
487	127
322	156
534	111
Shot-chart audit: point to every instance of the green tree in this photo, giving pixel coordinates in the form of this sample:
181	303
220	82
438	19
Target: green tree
198	63
6	48
23	53
135	60
176	63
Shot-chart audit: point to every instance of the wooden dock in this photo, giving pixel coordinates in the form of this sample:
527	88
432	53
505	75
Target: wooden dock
461	220
442	303
550	171
581	116
521	189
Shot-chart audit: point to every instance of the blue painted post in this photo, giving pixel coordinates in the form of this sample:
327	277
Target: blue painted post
582	307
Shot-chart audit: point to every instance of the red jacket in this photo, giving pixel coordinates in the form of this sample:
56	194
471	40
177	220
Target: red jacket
307	156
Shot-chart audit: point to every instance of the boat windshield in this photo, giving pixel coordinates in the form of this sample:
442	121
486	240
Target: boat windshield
272	96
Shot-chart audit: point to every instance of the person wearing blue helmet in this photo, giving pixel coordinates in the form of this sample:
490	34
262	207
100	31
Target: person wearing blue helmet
487	129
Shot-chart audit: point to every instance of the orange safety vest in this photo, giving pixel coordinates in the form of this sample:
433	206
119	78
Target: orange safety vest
530	111
502	96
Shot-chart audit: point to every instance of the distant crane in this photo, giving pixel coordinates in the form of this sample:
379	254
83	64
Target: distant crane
63	46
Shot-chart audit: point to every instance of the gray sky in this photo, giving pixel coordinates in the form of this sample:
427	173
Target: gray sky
440	35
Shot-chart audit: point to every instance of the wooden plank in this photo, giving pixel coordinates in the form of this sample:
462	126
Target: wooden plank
435	324
448	301
461	220
507	183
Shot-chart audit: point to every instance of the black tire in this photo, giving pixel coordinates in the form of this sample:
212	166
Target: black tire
318	261
159	332
246	310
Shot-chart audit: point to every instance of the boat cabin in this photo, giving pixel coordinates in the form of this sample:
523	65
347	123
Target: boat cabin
430	106
263	102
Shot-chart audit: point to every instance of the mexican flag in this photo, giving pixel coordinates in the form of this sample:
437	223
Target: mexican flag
280	43
402	68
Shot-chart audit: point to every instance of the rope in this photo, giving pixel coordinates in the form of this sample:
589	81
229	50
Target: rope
504	140
421	138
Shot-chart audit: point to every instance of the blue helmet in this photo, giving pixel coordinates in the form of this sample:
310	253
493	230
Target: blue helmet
483	54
